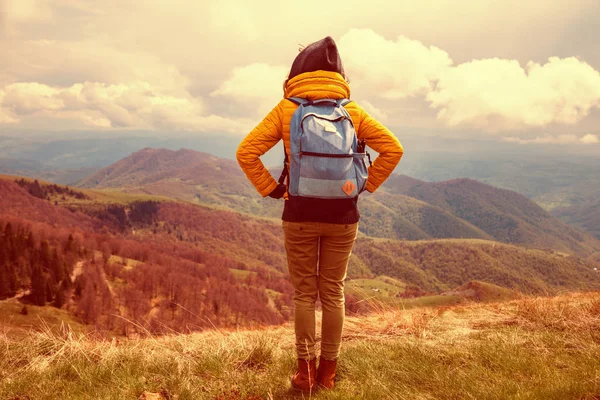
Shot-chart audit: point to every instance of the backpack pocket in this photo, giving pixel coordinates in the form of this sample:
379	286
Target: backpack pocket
327	176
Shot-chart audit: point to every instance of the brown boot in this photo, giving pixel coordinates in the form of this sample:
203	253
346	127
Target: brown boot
326	373
304	378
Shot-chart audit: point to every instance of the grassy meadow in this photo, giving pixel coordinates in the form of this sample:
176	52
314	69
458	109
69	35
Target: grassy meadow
530	348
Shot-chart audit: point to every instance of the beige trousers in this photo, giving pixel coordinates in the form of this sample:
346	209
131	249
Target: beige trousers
318	255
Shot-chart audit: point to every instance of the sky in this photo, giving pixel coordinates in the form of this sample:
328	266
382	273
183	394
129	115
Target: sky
523	72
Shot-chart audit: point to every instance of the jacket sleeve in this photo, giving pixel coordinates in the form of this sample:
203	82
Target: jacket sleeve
384	142
258	142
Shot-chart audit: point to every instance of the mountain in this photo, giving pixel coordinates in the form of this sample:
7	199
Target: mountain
505	215
584	216
184	174
404	208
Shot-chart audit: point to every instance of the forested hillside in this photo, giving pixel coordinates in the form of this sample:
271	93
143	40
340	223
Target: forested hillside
123	263
150	271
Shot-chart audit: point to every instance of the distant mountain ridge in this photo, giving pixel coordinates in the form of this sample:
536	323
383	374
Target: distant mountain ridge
404	208
506	215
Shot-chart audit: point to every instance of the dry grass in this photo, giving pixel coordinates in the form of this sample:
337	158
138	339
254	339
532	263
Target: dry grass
532	348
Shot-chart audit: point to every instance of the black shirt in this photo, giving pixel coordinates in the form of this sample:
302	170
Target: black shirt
333	211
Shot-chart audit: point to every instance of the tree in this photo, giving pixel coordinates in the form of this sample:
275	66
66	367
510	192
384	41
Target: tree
38	286
60	299
45	254
57	267
4	285
30	241
69	244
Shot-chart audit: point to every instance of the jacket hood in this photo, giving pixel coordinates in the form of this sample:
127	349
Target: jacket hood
318	85
322	55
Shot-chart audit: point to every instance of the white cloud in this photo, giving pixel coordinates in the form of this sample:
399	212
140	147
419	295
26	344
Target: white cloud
590	139
374	111
558	139
495	94
63	62
492	94
259	87
131	105
390	69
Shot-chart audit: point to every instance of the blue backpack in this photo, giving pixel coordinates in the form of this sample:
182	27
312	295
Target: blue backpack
326	157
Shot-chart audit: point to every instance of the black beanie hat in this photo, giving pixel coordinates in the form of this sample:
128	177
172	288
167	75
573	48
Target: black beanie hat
321	55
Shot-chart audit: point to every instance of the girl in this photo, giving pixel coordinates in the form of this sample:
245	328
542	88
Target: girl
319	233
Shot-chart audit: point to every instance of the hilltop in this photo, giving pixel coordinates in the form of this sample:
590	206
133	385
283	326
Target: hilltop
183	174
531	348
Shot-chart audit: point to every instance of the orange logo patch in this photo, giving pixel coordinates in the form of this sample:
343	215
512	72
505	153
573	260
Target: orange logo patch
349	187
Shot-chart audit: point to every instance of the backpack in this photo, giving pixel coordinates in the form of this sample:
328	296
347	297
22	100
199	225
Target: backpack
326	157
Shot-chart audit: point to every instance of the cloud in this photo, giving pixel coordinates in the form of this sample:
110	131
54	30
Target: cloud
132	105
65	62
374	111
488	94
496	94
391	69
222	63
559	139
257	87
590	139
6	116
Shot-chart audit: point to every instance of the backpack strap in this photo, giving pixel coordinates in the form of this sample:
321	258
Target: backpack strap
305	102
284	172
298	100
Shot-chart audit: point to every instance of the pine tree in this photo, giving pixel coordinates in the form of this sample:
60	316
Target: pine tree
63	293
56	267
45	255
60	299
8	232
38	286
36	190
30	241
69	245
4	285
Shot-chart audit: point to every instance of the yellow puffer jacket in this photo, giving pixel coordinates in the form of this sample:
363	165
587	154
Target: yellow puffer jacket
276	126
